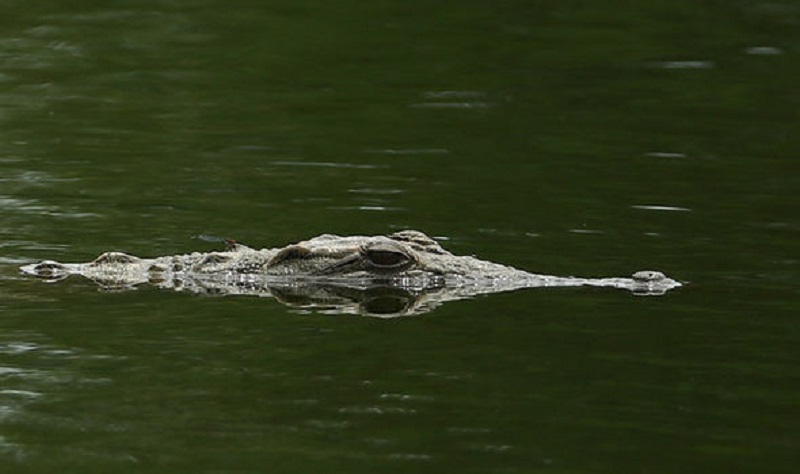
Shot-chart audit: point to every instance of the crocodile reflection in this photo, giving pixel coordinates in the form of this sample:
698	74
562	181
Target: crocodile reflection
403	273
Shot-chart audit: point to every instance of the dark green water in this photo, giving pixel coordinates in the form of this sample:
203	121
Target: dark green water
560	137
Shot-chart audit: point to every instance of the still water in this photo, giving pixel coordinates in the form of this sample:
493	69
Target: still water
568	138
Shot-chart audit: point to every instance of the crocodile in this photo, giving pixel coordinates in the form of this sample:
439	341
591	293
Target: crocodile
404	273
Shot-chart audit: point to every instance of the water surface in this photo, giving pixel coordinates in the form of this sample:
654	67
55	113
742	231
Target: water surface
567	138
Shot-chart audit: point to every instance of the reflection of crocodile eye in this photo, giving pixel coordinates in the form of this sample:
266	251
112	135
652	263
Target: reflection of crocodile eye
381	256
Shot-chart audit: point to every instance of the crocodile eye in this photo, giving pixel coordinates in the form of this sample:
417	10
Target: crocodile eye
387	257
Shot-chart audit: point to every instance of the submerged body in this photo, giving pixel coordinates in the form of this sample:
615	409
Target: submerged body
328	266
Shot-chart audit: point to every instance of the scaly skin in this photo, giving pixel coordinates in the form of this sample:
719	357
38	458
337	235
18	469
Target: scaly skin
328	270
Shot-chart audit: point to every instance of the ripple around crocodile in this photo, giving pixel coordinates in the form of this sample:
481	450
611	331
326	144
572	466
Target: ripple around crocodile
400	274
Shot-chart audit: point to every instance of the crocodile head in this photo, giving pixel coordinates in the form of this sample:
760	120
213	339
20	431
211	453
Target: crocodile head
402	254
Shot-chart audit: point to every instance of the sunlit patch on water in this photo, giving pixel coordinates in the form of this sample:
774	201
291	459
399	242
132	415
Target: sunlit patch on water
24	245
490	448
25	205
452	99
377	410
695	64
378	191
408	151
585	231
665	154
453	94
327	425
4	371
410	457
325	164
9	449
13	348
661	208
441	375
763	51
405	397
21	394
451	105
26	53
32	374
10	159
468	430
366	208
31	206
498	232
31	178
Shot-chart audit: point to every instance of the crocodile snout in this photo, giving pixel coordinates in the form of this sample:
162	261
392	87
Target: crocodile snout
46	269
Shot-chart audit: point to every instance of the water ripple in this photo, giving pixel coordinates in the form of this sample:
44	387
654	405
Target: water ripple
453	94
325	164
411	457
763	51
693	64
365	208
406	397
408	151
377	410
31	206
661	208
378	191
665	154
451	105
452	99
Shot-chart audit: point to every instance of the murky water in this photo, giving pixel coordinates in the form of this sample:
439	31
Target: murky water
564	138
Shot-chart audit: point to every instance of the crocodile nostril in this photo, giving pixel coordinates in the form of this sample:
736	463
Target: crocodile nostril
48	267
